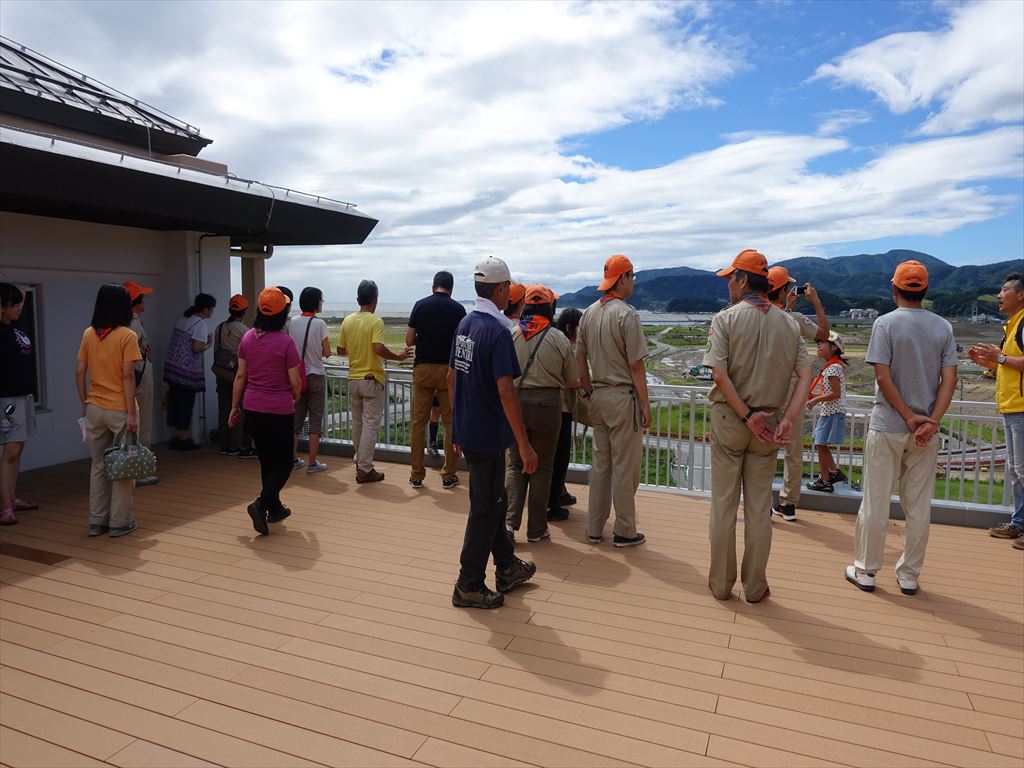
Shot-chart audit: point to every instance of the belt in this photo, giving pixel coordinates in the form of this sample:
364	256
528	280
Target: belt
369	377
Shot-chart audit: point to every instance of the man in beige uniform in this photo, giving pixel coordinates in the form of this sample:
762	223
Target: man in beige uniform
783	294
753	350
611	338
144	370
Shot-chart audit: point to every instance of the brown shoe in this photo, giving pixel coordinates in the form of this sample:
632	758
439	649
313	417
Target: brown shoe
373	476
1006	531
1018	543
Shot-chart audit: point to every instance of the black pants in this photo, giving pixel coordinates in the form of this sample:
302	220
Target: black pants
561	465
485	528
180	401
271	435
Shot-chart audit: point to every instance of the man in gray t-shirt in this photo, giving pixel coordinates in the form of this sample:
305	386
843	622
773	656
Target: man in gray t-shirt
914	355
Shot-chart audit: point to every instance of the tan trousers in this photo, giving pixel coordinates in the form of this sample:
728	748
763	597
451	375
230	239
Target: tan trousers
110	501
739	459
144	397
366	397
542	416
618	449
430	380
888	457
793	464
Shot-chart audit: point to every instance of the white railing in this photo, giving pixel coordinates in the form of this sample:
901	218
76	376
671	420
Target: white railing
971	467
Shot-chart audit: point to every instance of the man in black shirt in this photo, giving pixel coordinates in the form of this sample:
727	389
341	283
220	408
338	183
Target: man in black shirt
431	330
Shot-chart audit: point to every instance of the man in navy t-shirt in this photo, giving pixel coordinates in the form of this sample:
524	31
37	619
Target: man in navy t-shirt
486	420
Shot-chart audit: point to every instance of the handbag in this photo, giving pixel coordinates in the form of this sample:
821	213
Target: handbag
580	408
225	362
128	460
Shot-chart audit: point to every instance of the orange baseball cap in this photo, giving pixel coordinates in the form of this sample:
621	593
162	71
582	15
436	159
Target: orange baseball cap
910	276
135	290
539	294
749	261
272	301
238	303
516	293
778	277
614	268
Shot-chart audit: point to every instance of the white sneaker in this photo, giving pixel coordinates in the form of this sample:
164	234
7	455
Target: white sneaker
316	466
298	464
862	580
908	584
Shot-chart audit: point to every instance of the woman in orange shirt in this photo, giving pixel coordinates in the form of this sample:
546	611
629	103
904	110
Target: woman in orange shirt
107	357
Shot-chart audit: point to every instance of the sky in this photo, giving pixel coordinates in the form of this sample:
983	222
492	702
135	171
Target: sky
553	135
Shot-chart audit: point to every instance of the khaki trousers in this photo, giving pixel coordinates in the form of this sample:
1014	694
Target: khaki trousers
110	501
430	380
793	464
888	457
615	471
144	397
542	416
366	397
739	459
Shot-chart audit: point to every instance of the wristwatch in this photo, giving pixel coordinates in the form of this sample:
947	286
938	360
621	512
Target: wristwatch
1001	359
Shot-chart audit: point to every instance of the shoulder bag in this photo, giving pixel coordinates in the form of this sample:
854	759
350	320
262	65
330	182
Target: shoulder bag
128	460
225	362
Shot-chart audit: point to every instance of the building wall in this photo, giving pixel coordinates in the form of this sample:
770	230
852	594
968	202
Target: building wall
67	261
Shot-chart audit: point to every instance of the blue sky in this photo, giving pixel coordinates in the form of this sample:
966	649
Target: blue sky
553	134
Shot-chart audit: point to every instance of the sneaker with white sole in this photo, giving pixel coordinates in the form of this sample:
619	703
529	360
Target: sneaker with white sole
622	541
908	584
316	466
538	537
298	464
862	580
415	483
785	511
595	539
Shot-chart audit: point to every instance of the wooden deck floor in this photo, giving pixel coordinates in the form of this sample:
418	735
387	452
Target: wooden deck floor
333	641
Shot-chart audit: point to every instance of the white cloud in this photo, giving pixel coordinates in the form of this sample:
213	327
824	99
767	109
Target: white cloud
973	70
839	120
450	123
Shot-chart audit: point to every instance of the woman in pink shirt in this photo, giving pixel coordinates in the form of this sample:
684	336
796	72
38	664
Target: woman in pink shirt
268	374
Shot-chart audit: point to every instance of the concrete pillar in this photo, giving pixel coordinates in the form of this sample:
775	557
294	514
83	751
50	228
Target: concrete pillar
254	280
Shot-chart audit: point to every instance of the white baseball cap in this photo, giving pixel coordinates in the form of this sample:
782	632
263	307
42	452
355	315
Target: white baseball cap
492	270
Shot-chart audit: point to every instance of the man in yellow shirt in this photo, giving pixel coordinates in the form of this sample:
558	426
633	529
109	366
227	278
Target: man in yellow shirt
1008	362
362	339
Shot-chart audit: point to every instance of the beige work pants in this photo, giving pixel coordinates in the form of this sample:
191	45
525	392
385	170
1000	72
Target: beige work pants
617	451
888	457
110	501
430	380
793	464
366	397
542	417
738	459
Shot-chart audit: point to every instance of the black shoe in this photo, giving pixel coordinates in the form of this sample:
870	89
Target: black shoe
230	451
247	453
416	483
174	444
567	500
558	514
188	445
785	511
821	484
518	573
622	541
259	518
838	477
450	482
116	532
277	517
481	598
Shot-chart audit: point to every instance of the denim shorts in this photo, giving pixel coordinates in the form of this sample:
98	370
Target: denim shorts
830	430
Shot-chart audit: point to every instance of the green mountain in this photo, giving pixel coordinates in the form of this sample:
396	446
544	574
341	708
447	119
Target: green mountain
860	280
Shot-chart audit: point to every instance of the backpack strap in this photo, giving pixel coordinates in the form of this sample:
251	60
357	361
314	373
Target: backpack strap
533	355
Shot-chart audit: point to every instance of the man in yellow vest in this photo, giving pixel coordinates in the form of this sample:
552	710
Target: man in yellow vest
1008	362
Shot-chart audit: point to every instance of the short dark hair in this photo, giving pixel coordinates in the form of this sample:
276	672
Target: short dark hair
236	314
10	295
914	296
544	310
271	322
366	293
310	298
569	318
113	307
444	281
757	283
774	295
286	291
486	290
202	301
1017	278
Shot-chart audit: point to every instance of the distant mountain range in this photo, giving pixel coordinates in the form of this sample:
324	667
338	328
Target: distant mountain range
864	276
